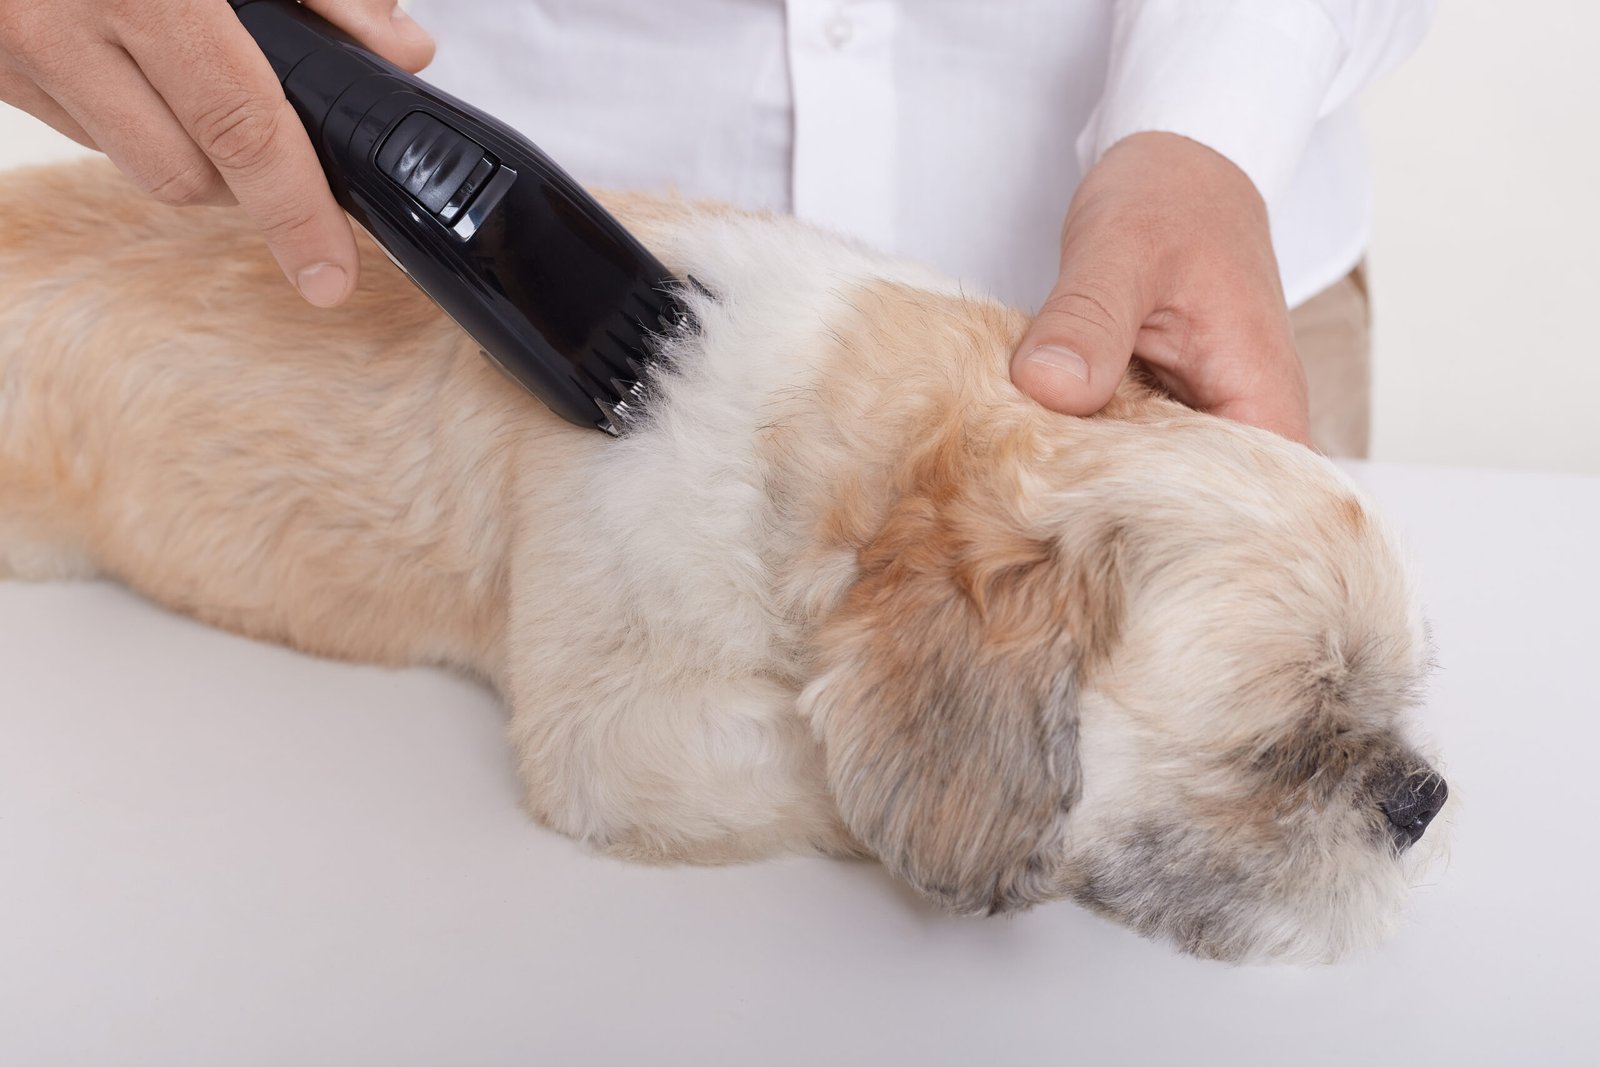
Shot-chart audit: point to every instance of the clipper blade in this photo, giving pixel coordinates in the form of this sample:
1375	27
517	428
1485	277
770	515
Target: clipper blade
617	374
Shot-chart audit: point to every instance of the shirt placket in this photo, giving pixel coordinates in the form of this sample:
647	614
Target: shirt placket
840	66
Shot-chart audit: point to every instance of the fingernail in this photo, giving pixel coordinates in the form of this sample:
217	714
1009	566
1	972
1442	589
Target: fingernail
323	285
1060	359
407	27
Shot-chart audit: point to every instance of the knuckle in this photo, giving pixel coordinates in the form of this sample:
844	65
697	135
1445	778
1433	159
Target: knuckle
1085	305
285	224
33	42
192	184
240	133
18	24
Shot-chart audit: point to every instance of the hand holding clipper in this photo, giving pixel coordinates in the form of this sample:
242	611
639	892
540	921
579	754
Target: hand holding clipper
555	290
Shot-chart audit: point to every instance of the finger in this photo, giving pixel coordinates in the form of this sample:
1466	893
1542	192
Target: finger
1079	345
44	107
1265	388
110	100
224	93
21	91
383	26
1276	402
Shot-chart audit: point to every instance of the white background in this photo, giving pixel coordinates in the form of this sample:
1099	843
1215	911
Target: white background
217	851
1486	255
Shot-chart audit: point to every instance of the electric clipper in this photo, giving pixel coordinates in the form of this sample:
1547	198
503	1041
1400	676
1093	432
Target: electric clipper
552	287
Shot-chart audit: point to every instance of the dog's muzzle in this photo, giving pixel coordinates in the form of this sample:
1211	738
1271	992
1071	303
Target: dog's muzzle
1411	801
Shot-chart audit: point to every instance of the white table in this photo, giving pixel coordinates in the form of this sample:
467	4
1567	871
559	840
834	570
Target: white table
223	853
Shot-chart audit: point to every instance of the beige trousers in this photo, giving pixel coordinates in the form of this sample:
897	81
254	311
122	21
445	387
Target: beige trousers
1333	332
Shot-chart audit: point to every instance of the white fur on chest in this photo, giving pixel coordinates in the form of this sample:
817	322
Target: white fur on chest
685	506
651	676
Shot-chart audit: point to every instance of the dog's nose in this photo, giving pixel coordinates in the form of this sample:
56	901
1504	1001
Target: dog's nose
1411	802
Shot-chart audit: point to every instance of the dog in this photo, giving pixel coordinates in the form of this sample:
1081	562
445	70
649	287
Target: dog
841	588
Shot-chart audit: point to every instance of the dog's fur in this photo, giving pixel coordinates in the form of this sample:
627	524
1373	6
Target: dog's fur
844	589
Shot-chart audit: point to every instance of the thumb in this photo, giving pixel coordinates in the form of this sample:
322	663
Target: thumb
1078	347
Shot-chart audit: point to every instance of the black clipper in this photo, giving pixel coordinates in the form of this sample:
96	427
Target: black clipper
551	286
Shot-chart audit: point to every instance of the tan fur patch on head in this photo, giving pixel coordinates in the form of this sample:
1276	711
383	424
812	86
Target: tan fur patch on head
947	679
946	704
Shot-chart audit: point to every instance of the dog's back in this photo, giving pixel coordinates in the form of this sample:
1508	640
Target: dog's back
171	411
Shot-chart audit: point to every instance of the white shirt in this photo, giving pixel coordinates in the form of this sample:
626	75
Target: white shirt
949	131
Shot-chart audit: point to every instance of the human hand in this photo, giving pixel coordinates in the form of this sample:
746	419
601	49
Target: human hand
1166	255
177	93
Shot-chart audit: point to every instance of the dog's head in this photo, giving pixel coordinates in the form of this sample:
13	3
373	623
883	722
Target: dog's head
1156	663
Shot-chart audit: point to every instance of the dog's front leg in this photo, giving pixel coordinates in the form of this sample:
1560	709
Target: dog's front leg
636	727
663	769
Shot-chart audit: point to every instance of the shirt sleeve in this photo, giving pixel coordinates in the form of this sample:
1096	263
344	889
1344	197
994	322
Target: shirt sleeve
1247	78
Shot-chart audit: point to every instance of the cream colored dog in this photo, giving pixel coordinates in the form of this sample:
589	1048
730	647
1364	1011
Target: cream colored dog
843	590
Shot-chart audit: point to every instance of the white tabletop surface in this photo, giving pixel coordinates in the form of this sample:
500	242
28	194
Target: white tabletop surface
223	853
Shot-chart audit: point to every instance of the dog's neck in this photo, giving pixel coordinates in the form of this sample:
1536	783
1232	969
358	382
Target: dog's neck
791	424
908	393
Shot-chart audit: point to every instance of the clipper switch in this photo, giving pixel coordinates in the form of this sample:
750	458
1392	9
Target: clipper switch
439	167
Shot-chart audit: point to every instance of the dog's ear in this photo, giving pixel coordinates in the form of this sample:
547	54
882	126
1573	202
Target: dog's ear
946	696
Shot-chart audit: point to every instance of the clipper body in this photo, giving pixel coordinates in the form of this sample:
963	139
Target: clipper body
551	286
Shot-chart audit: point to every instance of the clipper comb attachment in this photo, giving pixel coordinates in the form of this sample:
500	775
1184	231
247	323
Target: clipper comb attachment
629	347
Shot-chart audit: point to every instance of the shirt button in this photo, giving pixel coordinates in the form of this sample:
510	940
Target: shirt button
838	31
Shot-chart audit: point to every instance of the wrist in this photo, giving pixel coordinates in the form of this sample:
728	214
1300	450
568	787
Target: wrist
1247	79
1186	166
1179	204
